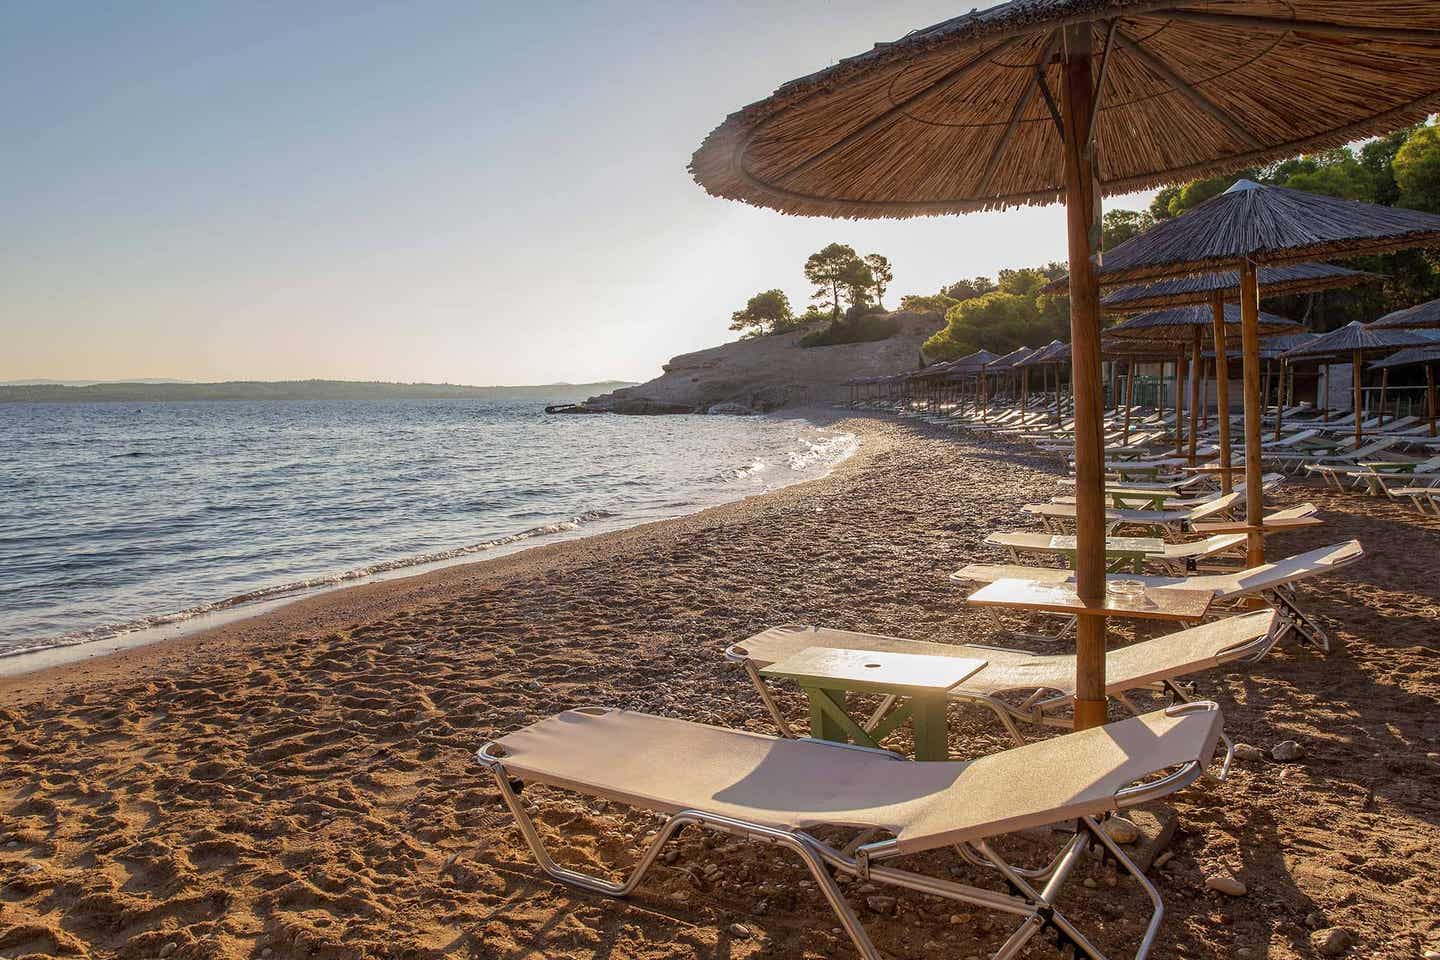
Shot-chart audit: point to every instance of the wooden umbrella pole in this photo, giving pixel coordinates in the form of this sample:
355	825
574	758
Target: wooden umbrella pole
1082	215
1129	397
1265	391
1430	394
984	398
1179	415
1280	400
1250	349
1195	364
1355	393
1024	391
1325	413
1222	388
1384	389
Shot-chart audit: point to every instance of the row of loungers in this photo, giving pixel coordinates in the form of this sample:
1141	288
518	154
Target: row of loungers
861	812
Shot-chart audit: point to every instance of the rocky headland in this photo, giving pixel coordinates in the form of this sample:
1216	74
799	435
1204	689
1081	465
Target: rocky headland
766	373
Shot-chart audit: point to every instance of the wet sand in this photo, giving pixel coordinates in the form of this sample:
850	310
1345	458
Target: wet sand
302	784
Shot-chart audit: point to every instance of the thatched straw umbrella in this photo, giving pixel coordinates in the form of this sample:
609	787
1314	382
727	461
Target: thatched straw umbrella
1053	354
1006	364
972	367
1213	289
1077	98
1357	341
1424	316
1243	229
1191	326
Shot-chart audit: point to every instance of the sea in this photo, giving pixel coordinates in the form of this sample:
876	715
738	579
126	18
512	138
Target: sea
123	517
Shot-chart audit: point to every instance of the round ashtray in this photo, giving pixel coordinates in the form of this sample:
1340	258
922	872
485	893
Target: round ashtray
1125	589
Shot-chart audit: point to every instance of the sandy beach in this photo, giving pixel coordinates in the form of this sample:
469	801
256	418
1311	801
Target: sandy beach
302	784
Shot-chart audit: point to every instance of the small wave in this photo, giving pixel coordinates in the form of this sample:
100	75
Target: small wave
827	451
756	466
111	631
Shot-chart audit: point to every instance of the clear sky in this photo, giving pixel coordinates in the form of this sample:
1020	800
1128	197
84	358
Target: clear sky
474	192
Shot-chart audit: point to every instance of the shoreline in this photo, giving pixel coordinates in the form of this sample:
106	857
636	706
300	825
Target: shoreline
329	609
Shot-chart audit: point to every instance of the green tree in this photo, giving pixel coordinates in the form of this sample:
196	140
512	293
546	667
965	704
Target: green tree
1117	226
965	289
1378	157
859	284
834	271
1160	206
934	303
880	275
1417	170
766	312
1337	173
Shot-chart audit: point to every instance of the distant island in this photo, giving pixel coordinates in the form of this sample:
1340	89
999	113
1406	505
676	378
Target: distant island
149	391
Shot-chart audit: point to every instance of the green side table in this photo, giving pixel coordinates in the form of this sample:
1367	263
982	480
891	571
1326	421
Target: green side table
915	687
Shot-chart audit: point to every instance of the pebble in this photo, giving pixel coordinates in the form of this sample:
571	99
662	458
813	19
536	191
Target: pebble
671	856
959	919
1122	830
1287	750
267	951
1248	752
1164	858
881	904
1431	955
168	949
1090	883
1332	941
1226	884
1244	953
739	931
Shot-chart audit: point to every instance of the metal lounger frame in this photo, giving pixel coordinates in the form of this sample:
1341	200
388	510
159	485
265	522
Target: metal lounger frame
1035	907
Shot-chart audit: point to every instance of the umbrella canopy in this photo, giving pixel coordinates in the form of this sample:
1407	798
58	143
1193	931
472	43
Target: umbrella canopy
1039	355
1271	347
1185	90
1420	316
1403	358
1201	289
1264	225
1359	338
1183	324
972	363
1009	361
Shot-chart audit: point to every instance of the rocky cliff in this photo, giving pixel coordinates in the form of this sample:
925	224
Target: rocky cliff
766	373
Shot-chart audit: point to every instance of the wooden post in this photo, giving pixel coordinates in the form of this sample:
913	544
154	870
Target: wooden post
1222	387
1384	389
1024	392
1179	403
984	398
1355	391
1325	413
1430	394
1280	402
1082	214
1129	397
1250	348
1195	365
1265	391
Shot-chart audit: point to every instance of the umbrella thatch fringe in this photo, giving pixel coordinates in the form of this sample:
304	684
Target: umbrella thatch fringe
1356	337
1195	290
1411	318
1181	323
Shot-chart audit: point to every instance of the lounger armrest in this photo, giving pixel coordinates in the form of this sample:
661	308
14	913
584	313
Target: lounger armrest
1187	773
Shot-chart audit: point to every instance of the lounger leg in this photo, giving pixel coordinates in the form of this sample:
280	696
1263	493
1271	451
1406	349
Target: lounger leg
1153	929
1283	602
784	725
750	831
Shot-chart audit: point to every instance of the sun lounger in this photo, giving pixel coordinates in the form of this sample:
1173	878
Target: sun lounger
777	791
1174	521
1272	582
1022	687
1295	462
1424	499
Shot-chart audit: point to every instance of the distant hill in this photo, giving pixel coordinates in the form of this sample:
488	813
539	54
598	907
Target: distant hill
141	391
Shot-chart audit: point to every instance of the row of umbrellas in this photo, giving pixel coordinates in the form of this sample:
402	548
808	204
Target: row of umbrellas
1034	101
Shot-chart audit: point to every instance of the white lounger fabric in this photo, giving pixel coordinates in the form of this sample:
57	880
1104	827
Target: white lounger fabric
669	765
1267	576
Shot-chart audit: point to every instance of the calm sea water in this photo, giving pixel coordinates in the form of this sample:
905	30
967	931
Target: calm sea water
119	516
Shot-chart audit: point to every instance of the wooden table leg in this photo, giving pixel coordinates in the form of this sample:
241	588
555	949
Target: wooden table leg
932	727
823	723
